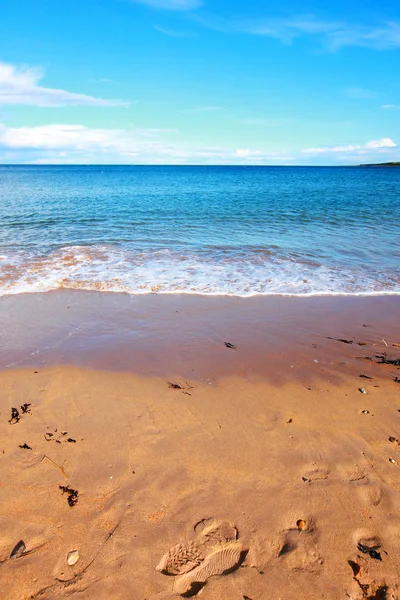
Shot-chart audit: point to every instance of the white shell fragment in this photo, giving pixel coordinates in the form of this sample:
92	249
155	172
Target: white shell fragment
73	557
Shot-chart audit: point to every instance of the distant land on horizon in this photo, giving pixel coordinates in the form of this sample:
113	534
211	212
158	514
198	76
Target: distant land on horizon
387	164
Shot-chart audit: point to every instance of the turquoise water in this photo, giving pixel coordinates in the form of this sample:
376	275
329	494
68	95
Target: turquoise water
208	230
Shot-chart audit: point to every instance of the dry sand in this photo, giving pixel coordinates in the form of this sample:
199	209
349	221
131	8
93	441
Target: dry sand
240	486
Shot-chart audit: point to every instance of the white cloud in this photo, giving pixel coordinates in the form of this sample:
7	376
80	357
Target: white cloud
335	34
79	144
383	37
383	143
288	29
78	138
173	33
391	106
21	86
171	4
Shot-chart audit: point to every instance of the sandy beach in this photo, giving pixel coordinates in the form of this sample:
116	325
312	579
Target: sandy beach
223	448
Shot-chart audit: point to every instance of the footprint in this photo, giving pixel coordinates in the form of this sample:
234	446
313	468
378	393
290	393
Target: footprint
297	546
315	474
180	559
214	551
217	533
222	561
370	493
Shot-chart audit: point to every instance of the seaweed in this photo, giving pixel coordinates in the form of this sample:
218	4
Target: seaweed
15	416
371	551
229	345
340	340
51	437
25	446
178	386
384	360
175	386
72	494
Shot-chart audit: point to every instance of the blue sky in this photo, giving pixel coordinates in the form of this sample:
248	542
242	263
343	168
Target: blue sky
199	82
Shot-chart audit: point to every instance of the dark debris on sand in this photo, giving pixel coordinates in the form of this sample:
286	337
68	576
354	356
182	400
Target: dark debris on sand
174	386
230	346
16	414
384	360
72	494
371	551
183	388
345	341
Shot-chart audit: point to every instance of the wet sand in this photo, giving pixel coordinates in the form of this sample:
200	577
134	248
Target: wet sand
274	473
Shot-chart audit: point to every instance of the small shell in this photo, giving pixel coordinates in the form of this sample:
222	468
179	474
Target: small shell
18	550
362	390
392	460
73	557
365	412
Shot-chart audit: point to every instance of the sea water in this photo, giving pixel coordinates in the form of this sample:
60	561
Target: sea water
204	230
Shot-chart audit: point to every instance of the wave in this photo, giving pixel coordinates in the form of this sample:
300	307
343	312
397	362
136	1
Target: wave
213	272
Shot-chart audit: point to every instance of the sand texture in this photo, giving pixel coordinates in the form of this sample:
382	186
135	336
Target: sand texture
229	451
236	490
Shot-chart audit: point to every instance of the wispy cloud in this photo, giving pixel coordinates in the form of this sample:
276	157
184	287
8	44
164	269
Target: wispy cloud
333	34
78	138
382	144
171	4
21	86
174	33
80	144
385	36
60	143
391	106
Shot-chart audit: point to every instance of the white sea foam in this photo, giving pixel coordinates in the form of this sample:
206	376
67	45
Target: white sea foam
111	268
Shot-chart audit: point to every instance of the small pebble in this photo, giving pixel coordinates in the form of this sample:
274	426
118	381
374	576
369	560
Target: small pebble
73	557
365	412
362	390
392	460
301	524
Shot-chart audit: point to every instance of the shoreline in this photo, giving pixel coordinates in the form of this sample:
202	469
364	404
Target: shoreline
221	296
275	337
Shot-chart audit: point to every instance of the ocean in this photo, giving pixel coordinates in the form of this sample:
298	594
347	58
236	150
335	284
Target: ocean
237	231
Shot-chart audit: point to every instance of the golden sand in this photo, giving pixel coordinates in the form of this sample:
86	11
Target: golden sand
239	489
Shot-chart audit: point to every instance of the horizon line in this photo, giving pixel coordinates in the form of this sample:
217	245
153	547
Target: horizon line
191	165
